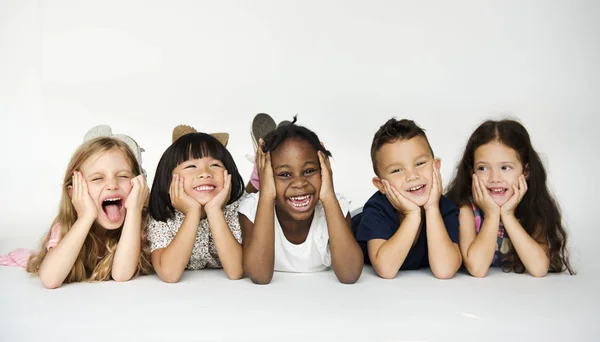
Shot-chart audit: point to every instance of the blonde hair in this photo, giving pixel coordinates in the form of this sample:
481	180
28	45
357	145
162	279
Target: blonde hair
88	266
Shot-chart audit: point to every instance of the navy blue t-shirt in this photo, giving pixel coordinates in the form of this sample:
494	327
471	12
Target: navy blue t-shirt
379	220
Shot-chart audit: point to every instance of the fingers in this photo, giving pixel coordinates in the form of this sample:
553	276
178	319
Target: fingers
173	188
476	189
523	186
227	180
392	193
436	178
268	160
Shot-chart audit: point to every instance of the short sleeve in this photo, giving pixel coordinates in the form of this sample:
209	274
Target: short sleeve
450	213
344	204
376	220
233	220
248	205
54	237
321	236
160	234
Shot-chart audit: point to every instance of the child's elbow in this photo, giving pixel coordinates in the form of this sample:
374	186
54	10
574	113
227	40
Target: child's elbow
262	280
539	273
120	278
349	279
49	283
477	271
169	277
385	273
444	274
235	275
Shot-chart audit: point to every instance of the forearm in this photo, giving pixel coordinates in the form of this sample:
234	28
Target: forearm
127	255
259	253
480	254
346	255
228	248
60	260
532	254
392	253
444	255
175	257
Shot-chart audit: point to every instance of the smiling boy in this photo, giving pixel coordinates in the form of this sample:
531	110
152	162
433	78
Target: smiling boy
407	224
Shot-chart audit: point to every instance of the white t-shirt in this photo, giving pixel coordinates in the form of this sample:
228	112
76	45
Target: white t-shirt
312	255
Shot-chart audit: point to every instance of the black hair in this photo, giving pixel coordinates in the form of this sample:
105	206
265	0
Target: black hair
292	131
394	130
189	146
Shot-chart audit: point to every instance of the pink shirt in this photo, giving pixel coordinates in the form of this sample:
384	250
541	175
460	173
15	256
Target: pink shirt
19	256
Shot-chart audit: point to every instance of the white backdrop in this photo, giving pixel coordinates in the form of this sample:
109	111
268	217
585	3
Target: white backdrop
344	66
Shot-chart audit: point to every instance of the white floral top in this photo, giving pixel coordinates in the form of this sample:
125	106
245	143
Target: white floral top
204	253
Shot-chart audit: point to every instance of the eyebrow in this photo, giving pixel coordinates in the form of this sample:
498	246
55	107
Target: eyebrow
396	164
286	166
502	162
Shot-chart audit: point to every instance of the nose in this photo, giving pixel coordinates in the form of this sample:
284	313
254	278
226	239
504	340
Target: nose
494	177
411	175
298	182
112	183
204	173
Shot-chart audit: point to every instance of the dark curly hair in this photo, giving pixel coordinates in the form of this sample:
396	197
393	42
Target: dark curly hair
292	131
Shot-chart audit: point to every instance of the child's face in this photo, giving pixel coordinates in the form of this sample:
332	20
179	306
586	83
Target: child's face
202	178
408	166
108	176
297	174
499	167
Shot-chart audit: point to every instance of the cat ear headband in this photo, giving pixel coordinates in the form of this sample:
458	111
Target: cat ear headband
182	130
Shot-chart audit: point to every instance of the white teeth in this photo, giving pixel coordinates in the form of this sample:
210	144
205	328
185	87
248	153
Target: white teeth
415	188
204	188
305	198
497	190
112	199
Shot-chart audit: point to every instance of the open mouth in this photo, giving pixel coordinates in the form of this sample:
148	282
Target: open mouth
205	188
300	203
417	189
113	208
497	191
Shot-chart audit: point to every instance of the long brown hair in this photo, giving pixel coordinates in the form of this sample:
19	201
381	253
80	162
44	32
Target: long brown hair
538	211
88	266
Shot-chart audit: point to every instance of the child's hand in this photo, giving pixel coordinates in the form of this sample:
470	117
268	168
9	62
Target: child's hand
138	194
265	171
398	201
509	207
482	198
180	199
436	190
221	199
327	191
81	199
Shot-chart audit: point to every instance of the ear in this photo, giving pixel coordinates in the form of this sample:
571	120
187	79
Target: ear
437	162
70	191
378	184
526	171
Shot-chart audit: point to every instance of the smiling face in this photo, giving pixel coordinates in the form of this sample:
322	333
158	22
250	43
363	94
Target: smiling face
202	178
297	174
408	166
499	167
108	176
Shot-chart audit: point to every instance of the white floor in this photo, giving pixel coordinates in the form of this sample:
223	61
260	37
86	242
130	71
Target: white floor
205	306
